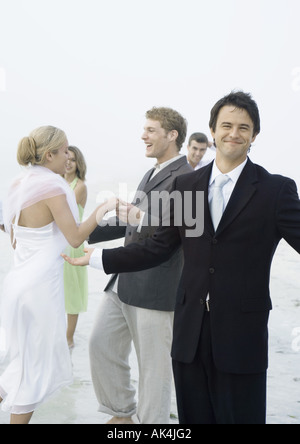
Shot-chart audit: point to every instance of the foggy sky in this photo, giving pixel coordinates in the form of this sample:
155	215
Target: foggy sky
94	67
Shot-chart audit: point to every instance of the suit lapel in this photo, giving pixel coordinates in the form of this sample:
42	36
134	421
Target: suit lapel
146	179
140	191
159	178
147	185
202	184
242	194
164	174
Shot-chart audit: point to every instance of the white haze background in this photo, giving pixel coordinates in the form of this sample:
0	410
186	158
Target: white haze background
93	67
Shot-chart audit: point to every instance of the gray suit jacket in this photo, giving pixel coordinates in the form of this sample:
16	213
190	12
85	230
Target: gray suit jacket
153	289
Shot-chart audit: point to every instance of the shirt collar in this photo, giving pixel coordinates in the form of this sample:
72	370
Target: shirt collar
161	166
233	175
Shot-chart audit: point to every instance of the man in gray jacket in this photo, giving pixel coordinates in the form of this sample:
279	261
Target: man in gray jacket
139	307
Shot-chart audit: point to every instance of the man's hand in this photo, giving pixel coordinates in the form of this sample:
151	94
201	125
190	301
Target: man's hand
129	214
80	261
107	207
2	228
111	204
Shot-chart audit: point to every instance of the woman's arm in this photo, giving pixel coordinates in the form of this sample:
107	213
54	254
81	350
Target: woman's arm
65	221
81	193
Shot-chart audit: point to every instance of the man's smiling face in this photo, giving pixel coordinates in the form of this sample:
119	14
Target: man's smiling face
234	133
156	139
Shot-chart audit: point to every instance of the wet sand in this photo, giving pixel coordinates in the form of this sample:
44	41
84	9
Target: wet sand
77	404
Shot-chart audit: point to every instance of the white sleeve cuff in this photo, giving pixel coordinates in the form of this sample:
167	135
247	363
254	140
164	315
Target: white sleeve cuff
96	259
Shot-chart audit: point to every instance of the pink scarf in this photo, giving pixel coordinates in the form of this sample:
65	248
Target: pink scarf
34	185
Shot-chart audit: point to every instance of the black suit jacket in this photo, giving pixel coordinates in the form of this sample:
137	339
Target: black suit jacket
153	289
232	265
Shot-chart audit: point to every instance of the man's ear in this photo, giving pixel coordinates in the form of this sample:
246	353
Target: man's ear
213	133
173	135
254	138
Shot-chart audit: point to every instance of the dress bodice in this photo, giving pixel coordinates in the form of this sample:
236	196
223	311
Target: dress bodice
45	243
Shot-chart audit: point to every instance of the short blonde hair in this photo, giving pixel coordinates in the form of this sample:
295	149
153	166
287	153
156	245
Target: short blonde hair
33	149
170	120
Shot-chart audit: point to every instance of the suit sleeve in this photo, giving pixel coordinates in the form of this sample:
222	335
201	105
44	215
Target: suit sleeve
288	214
111	230
150	253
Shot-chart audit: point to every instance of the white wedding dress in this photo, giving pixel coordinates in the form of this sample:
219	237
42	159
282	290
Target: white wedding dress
33	324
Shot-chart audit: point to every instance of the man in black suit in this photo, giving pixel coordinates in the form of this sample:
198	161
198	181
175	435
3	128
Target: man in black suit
220	345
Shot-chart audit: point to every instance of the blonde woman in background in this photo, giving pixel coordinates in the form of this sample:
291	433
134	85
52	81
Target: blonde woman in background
76	279
41	214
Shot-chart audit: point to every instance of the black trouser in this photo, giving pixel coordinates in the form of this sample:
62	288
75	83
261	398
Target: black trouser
208	396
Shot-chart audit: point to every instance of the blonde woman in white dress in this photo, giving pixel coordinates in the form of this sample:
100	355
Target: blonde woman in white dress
41	215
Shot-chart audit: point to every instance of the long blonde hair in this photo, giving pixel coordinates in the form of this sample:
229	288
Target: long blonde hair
33	149
80	161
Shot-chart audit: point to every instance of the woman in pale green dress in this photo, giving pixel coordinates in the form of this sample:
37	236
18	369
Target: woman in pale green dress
76	279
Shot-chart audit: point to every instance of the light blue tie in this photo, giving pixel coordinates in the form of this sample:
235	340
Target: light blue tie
217	203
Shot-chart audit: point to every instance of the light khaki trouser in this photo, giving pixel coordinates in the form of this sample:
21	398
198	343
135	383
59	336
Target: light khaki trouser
117	325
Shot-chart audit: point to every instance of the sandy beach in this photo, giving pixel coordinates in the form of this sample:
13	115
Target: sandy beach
77	404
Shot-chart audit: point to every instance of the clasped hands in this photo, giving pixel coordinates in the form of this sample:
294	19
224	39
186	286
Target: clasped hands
126	213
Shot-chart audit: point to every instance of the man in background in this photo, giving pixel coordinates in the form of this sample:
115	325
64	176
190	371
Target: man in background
197	149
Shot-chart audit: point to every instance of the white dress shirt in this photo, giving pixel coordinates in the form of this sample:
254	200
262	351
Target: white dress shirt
96	259
160	166
227	190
